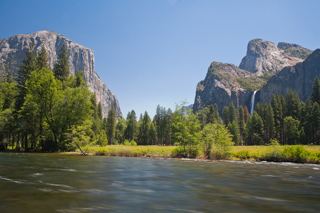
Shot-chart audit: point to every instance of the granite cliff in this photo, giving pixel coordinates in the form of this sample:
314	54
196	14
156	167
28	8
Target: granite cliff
264	57
80	59
225	83
299	78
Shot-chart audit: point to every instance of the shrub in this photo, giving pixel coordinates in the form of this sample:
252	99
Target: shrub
102	151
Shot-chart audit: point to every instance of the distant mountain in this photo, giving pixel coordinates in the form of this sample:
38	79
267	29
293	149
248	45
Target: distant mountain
225	83
80	58
299	78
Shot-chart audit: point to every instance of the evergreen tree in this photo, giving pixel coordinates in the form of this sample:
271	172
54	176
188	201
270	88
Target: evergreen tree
152	134
144	129
246	113
210	116
120	128
42	59
216	114
291	130
315	121
315	95
28	65
61	68
241	123
292	105
111	124
99	111
254	135
235	132
131	128
269	123
232	112
225	115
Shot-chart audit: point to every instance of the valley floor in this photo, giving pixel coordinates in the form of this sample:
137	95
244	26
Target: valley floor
294	153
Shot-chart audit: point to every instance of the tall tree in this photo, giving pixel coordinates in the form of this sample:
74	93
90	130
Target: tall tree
42	59
225	115
111	124
315	95
131	129
232	112
61	68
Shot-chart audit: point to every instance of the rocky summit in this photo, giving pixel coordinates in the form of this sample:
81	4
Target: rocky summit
266	67
80	59
264	57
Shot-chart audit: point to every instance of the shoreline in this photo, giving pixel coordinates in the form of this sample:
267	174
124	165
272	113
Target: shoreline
282	154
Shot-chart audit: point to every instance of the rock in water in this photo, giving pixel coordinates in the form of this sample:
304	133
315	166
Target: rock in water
80	59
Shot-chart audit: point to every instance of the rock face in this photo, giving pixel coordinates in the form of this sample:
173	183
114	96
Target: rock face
80	59
264	57
221	86
299	78
225	83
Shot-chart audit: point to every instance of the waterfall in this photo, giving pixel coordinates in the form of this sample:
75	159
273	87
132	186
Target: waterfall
252	101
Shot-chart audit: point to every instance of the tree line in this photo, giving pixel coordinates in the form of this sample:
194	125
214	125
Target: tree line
50	110
47	110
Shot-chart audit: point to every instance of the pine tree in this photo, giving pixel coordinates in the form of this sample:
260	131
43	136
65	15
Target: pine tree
111	124
42	59
27	67
246	113
293	105
232	112
315	95
225	115
131	129
269	123
210	116
61	68
99	111
241	122
235	132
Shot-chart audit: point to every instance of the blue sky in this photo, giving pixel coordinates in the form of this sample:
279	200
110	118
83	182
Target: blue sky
151	52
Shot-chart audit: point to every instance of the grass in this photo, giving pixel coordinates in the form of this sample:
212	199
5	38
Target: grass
132	151
297	153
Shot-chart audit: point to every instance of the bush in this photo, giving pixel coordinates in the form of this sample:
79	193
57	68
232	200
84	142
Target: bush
129	143
102	151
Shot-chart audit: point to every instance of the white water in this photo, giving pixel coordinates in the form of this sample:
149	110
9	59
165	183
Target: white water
252	101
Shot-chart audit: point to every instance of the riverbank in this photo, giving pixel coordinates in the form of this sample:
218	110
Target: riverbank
294	153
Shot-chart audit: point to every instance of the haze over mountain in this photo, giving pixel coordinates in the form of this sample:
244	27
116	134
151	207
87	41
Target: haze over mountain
80	59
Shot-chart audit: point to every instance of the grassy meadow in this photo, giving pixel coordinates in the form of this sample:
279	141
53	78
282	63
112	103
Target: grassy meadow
296	153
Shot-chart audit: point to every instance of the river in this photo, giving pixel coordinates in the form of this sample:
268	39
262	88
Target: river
66	183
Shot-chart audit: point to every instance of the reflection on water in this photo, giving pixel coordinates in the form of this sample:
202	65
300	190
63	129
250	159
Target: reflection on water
59	183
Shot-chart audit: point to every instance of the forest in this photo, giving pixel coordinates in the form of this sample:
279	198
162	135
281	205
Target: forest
51	110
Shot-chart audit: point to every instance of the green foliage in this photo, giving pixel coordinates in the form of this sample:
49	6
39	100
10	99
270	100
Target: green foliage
186	127
80	135
129	143
111	124
61	68
102	151
102	139
253	84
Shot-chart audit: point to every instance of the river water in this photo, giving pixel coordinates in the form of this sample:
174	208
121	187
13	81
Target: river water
64	183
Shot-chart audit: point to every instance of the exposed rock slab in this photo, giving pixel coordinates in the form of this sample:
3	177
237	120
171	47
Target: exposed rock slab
299	78
221	87
264	57
80	59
